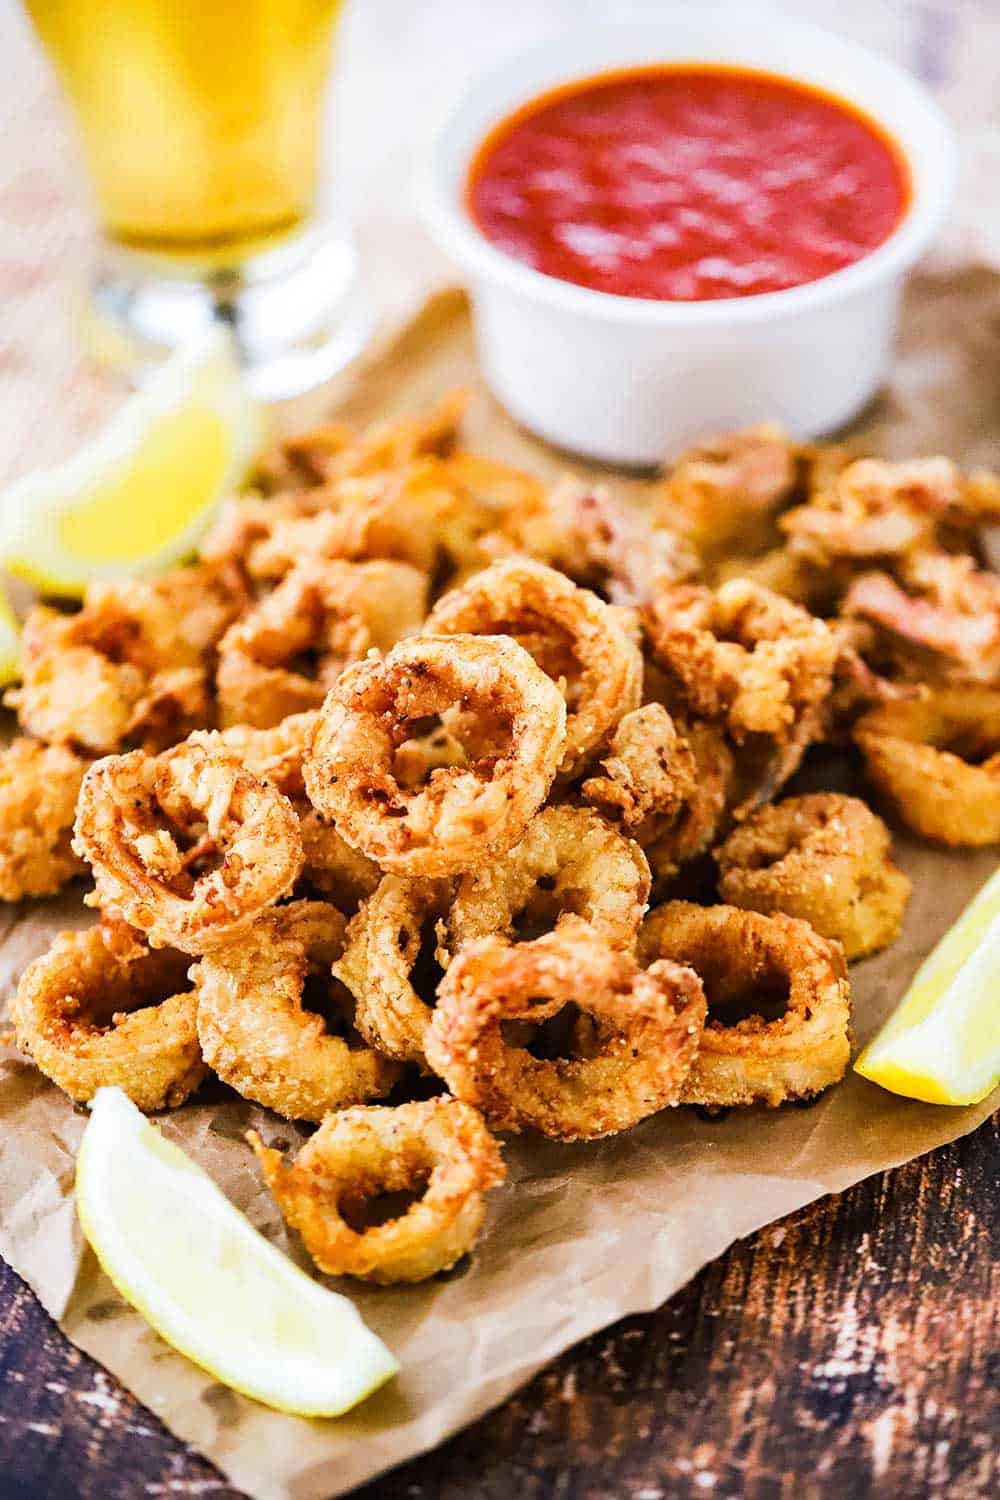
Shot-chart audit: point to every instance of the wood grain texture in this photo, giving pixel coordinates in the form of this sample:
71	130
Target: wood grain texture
851	1350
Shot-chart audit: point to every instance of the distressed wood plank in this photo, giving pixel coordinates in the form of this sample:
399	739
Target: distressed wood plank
853	1349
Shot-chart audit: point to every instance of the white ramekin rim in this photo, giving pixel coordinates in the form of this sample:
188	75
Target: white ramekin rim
451	224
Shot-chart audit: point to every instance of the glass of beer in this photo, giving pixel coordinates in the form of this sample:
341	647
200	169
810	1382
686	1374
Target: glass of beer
200	123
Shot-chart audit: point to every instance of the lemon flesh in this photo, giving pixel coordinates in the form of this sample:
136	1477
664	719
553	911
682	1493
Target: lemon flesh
177	1249
942	1044
138	497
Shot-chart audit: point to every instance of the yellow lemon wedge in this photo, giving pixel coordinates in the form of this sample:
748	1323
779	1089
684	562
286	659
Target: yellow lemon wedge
8	642
942	1044
210	1285
139	496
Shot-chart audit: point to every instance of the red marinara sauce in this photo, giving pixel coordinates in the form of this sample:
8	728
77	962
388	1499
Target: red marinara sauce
687	183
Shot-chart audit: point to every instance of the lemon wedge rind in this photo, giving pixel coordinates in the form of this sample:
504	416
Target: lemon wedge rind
942	1044
138	497
9	671
208	1282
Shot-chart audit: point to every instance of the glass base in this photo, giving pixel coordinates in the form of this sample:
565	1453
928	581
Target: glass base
297	313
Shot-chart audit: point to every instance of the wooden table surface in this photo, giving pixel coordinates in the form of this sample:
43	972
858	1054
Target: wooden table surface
852	1350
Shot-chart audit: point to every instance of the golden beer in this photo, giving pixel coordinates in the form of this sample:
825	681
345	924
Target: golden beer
199	119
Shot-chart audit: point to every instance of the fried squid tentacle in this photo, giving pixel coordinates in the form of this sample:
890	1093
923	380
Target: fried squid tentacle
332	869
649	773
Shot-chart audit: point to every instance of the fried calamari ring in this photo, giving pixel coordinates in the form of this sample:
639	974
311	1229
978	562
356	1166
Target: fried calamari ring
743	655
823	858
392	963
650	772
463	814
778	1002
101	1008
438	1148
575	638
39	785
332	869
188	846
284	656
938	759
255	1029
644	1028
569	864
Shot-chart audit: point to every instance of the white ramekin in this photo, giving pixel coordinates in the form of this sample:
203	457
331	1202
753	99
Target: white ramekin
630	380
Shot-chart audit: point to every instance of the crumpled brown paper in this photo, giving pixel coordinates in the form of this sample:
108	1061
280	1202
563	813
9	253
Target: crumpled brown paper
579	1235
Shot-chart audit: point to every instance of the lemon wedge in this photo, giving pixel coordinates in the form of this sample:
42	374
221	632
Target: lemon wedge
139	496
210	1285
942	1044
9	671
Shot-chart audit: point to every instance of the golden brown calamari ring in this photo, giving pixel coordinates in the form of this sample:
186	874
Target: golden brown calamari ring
436	1147
751	967
326	613
641	1030
573	636
570	863
938	759
823	858
101	1008
463	814
256	1032
332	869
39	785
187	846
392	963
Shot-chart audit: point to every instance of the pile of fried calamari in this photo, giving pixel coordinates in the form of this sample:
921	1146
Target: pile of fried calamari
376	795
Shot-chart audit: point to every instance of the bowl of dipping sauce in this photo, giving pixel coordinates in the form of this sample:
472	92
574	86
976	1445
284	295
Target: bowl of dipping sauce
685	225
